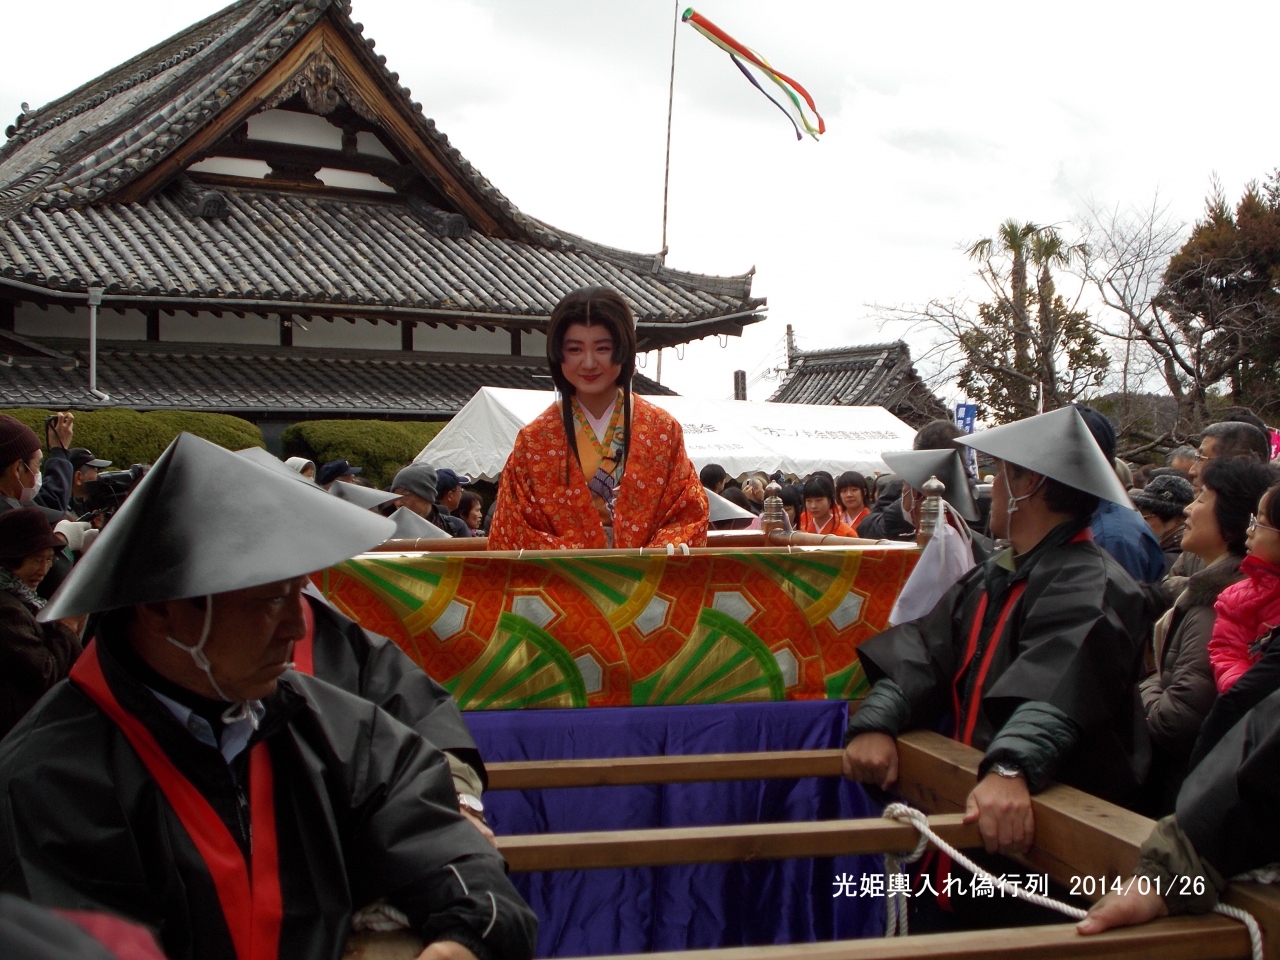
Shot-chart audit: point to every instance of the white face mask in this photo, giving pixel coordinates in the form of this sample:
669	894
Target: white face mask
29	493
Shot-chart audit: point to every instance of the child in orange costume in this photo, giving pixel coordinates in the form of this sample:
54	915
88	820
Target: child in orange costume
600	467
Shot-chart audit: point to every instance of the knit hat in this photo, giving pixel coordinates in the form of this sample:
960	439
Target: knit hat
24	531
419	478
1165	496
17	441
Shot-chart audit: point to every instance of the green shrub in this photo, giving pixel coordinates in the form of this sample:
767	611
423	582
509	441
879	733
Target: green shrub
126	437
379	447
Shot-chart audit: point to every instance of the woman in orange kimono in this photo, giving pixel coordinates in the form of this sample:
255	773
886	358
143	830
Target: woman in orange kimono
623	478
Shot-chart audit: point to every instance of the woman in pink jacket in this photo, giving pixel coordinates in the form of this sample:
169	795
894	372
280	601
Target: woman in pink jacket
1249	610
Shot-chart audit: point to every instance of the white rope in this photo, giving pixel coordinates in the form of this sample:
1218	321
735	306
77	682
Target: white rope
896	907
1255	932
895	898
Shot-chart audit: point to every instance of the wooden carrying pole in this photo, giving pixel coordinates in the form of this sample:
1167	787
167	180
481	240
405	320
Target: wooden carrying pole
1077	835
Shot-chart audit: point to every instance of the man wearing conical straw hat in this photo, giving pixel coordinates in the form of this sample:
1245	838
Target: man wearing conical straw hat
1032	657
186	778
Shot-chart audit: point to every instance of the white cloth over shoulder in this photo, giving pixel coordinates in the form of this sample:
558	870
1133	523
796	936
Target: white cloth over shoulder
946	558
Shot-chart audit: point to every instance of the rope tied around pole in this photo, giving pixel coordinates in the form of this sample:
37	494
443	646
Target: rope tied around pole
896	901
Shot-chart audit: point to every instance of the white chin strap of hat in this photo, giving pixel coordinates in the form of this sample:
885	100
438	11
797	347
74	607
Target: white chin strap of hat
239	709
1014	501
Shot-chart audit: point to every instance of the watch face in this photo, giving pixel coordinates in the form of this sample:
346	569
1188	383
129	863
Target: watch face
470	802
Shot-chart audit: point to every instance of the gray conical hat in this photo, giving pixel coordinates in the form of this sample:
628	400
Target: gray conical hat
1057	445
722	509
915	467
410	526
205	521
366	498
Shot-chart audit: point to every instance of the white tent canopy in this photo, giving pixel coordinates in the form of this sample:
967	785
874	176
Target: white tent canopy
740	435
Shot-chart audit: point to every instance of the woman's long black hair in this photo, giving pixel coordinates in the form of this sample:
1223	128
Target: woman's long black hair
593	307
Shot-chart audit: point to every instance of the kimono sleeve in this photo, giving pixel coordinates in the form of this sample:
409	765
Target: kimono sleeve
518	521
682	510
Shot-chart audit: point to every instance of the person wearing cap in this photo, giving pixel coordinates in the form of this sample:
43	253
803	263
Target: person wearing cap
1116	527
86	468
303	467
890	516
340	651
336	471
186	778
1032	657
22	478
33	656
415	486
600	467
915	468
449	488
1162	503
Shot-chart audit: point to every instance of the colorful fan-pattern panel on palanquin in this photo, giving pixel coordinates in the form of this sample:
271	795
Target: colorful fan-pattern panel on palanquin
600	629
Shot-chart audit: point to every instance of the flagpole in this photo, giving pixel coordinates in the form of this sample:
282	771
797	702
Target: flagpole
666	172
671	94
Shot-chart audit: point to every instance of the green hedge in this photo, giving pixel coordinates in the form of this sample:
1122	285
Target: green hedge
379	447
126	437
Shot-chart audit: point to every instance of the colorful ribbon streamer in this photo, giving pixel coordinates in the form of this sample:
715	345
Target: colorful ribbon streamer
737	52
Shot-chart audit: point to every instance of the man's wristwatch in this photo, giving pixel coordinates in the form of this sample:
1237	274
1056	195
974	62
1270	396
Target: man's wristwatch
473	804
1007	771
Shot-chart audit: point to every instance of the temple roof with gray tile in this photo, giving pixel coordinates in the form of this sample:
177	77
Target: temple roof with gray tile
96	189
879	374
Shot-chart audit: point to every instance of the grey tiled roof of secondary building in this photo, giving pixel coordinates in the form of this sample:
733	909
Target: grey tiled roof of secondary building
878	374
257	381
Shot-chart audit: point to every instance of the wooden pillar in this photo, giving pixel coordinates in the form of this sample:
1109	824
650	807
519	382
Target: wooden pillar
7	310
406	334
153	325
286	330
515	343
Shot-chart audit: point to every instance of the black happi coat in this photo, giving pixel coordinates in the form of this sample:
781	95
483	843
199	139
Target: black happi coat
1227	805
375	669
1073	640
365	810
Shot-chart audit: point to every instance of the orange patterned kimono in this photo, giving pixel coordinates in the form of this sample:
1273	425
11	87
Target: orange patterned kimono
660	499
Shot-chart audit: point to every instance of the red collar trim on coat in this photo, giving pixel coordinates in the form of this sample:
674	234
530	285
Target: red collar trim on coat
251	904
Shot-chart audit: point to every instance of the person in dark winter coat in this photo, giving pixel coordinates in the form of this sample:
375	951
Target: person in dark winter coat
1032	657
33	656
238	806
1179	693
1224	828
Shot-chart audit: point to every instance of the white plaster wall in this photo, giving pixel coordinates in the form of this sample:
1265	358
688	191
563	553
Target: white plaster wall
31	321
233	167
303	129
206	328
352	180
361	335
368	142
462	340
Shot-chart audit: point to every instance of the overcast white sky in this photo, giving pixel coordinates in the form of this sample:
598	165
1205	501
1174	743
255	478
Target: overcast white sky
943	119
